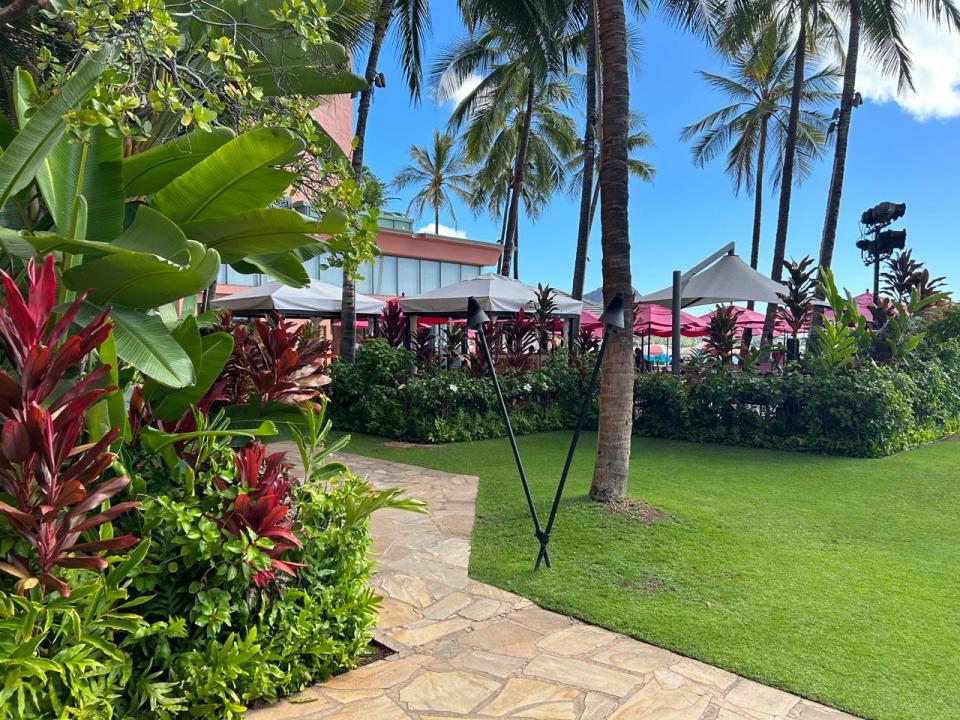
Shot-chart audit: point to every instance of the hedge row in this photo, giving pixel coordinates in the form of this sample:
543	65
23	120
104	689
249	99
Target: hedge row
868	412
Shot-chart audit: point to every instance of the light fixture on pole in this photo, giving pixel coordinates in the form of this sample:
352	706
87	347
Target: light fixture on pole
884	242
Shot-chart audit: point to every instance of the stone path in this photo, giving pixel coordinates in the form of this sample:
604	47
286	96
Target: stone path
469	650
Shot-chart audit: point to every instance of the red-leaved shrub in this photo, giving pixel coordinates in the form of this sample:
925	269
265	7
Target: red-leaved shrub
48	472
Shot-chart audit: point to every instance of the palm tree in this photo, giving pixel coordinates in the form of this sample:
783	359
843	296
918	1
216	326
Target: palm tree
639	139
414	22
589	162
492	139
616	390
760	86
882	23
438	173
518	56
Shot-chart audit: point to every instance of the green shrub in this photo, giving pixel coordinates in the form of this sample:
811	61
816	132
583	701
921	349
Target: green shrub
382	395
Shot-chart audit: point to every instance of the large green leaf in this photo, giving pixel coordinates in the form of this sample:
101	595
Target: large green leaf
237	176
38	137
215	351
291	69
147	172
13	243
145	281
187	335
144	342
259	232
285	267
163	266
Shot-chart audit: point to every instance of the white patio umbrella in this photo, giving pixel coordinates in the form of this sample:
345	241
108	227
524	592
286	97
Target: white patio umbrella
729	279
318	299
495	294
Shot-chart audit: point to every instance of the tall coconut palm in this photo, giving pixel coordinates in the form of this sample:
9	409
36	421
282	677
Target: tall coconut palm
754	126
492	138
639	139
616	390
881	22
519	62
440	174
413	22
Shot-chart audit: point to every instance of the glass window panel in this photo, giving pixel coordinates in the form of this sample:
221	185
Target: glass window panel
334	276
238	278
313	268
429	275
385	276
449	273
408	276
469	271
365	283
222	275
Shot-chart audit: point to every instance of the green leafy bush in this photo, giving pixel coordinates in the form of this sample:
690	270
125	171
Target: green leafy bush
868	412
384	394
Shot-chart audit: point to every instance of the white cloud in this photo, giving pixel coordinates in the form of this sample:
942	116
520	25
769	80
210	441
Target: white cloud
453	94
444	230
936	72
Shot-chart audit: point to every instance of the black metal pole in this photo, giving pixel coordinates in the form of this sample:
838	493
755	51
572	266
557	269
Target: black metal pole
677	302
513	443
584	407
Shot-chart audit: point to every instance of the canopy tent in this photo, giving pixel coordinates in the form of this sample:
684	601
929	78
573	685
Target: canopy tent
864	302
749	319
729	279
495	294
318	299
596	297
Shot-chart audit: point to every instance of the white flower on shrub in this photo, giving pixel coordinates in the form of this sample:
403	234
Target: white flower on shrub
401	386
453	388
527	387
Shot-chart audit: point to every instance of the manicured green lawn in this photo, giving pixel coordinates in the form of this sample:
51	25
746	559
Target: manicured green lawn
837	579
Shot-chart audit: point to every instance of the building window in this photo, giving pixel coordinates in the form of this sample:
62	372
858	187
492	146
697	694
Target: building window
449	273
429	275
408	276
229	276
365	283
469	271
333	276
385	276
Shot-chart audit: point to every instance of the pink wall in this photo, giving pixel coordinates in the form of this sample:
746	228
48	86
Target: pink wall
335	115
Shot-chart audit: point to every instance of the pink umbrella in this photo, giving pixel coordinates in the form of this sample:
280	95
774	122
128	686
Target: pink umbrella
864	301
745	318
657	320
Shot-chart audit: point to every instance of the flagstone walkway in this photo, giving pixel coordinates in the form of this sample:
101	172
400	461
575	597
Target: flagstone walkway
469	650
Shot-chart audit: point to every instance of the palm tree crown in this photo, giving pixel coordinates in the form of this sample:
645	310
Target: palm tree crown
759	87
439	173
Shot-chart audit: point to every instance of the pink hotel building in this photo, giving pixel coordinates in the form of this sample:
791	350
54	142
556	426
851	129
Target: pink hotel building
410	262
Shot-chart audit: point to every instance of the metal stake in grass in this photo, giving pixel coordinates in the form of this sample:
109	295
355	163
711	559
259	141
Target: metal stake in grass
612	318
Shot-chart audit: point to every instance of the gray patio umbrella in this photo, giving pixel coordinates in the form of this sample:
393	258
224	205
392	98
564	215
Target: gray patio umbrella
722	277
495	294
729	279
318	299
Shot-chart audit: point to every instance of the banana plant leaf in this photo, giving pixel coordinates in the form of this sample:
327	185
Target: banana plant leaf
262	231
238	176
24	156
15	244
291	69
90	168
215	350
147	172
285	267
144	342
148	265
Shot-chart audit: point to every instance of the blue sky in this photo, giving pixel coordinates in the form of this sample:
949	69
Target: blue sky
903	148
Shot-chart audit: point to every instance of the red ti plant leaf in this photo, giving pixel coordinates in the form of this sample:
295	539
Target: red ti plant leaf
50	475
262	506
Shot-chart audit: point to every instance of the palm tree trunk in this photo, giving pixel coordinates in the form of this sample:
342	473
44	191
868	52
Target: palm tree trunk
436	220
516	189
589	158
843	132
786	182
616	389
348	303
757	216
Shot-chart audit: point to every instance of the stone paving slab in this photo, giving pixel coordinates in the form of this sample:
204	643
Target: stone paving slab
472	651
